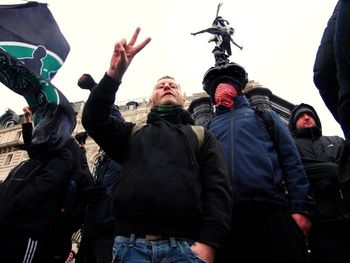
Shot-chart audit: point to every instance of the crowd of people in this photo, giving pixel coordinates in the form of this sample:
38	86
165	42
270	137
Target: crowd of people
237	185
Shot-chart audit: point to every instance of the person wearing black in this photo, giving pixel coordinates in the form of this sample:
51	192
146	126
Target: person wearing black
97	235
332	78
74	197
329	237
332	65
173	200
32	196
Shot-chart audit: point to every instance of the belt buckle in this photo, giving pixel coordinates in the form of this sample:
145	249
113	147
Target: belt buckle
153	237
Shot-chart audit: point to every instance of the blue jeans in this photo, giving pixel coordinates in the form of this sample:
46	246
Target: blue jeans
138	250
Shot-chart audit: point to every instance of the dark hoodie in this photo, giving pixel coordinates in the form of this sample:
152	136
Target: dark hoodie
321	156
31	194
312	145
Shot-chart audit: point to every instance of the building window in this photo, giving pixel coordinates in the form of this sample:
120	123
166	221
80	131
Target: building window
8	159
4	150
131	107
9	124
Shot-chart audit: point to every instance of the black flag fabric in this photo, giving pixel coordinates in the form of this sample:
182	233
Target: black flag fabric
32	49
30	33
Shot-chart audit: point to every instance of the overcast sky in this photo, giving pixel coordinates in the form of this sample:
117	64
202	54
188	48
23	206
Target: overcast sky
279	37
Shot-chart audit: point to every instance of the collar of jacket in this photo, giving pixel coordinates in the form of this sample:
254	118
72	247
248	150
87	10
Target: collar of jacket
176	115
309	133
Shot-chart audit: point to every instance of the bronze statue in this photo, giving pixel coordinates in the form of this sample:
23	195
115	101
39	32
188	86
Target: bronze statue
222	32
224	71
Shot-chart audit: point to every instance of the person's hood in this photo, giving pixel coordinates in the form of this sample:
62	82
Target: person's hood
54	124
296	113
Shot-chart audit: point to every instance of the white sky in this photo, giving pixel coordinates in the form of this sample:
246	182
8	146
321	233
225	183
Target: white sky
280	40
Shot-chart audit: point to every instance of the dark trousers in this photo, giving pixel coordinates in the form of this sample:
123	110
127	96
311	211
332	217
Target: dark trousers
18	249
98	250
263	234
330	242
61	245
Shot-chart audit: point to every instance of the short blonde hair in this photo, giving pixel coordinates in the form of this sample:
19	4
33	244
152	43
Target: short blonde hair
169	77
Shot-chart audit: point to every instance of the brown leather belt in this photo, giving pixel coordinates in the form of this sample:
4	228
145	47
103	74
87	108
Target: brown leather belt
148	237
152	237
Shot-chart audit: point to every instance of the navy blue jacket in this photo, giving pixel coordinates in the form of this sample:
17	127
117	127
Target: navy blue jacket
260	171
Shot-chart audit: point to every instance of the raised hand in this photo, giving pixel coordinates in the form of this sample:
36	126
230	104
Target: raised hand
123	54
27	114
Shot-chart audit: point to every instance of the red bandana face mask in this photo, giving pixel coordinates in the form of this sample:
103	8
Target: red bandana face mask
225	94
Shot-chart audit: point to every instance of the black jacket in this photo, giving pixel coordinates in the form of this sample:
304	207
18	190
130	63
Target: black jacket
45	195
74	201
321	156
168	186
35	194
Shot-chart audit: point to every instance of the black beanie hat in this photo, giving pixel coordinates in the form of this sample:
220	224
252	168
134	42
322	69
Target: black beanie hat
302	110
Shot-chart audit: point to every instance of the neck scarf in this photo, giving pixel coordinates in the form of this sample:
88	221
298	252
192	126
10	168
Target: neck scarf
166	109
172	113
225	94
